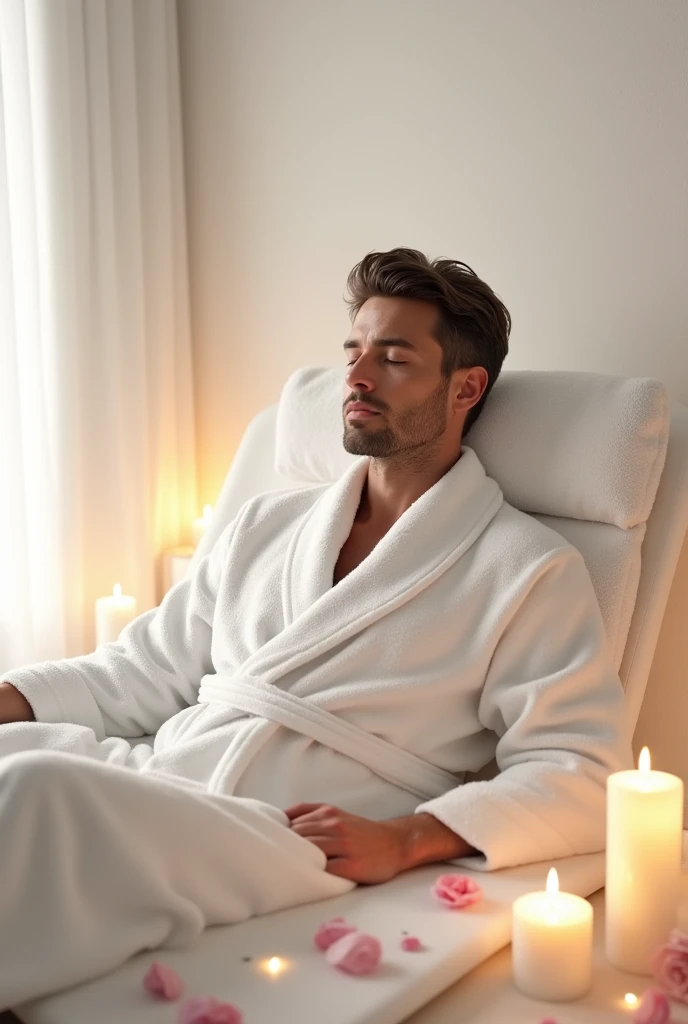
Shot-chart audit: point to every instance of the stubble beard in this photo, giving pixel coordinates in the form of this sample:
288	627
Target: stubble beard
413	439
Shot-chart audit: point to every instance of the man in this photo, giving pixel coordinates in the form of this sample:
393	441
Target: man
318	690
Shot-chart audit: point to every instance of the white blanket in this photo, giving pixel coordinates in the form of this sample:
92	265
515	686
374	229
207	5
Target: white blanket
100	862
470	630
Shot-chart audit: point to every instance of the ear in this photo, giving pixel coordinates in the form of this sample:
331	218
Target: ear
468	388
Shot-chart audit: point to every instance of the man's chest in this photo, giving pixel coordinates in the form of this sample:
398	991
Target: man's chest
356	547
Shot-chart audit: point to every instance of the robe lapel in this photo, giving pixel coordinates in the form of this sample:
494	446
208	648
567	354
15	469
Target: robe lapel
314	549
424	542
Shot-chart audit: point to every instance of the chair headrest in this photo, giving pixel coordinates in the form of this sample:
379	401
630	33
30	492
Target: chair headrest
579	445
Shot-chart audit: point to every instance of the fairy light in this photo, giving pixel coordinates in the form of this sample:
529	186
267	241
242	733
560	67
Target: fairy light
274	966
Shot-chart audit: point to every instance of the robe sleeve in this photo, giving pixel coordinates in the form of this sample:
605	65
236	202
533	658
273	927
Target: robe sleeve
153	670
554	700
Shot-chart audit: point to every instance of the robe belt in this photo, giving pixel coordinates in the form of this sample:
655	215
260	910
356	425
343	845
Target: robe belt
255	697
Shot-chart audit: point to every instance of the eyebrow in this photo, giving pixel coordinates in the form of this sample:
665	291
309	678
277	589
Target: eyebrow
383	343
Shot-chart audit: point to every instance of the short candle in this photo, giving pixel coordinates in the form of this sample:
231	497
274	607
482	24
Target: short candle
199	526
644	847
552	943
113	614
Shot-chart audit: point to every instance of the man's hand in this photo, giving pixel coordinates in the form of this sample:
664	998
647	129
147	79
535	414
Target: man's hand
14	707
374	851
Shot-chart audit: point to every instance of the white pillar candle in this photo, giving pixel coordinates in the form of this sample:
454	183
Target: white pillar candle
199	526
552	943
644	845
112	615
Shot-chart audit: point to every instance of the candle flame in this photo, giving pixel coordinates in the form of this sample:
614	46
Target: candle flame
207	513
552	886
631	1000
275	965
117	590
644	761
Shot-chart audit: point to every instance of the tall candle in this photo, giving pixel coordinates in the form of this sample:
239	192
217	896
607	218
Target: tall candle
113	614
644	841
552	943
199	526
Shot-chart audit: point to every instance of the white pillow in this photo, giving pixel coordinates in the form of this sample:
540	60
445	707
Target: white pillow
578	445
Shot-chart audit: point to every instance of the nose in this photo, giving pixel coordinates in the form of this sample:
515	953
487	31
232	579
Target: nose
360	376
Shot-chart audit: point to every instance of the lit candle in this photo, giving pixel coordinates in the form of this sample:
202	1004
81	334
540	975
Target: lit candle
644	841
274	966
552	943
199	526
112	615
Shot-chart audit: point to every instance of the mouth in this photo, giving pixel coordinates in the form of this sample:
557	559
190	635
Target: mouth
361	414
359	410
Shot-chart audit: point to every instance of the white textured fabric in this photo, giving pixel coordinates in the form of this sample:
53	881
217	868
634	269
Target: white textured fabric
613	559
100	863
97	465
309	431
582	452
470	630
576	445
580	445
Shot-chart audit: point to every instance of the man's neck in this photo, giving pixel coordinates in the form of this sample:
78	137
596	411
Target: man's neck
391	488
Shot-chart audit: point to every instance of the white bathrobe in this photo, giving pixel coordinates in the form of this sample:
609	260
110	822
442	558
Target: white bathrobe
471	630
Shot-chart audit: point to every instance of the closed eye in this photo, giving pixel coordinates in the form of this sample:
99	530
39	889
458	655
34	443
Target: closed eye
394	362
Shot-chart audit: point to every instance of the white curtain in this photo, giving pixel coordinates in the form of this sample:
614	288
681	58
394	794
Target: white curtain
97	472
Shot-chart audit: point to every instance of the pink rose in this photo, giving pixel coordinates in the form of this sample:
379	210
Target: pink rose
330	931
670	968
355	953
654	1008
456	891
679	940
163	982
411	944
206	1010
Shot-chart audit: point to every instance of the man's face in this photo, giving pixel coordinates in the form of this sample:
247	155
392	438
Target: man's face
394	368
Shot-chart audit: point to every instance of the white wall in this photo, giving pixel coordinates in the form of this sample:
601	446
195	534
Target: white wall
543	142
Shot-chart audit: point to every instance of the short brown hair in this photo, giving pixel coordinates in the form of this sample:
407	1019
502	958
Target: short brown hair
473	325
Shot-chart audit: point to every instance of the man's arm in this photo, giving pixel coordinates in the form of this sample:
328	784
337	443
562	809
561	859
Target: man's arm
133	685
554	700
14	707
426	840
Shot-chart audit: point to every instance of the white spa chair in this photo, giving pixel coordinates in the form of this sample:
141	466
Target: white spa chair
588	455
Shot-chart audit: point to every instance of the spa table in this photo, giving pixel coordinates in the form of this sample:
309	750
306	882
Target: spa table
488	995
485	994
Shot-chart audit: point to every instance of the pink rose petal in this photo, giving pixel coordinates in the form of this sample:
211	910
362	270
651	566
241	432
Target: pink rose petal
456	891
411	944
163	982
330	931
356	953
206	1010
670	969
654	1008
